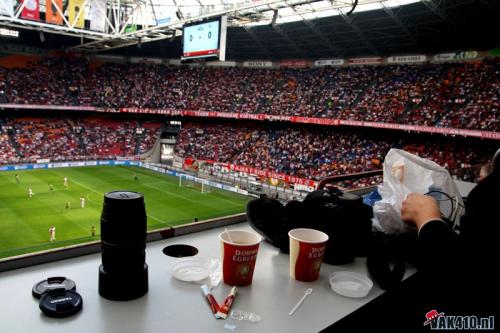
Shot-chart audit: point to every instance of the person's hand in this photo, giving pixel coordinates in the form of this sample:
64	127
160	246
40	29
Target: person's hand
419	209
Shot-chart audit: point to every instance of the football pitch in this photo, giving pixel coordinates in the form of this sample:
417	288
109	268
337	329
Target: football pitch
25	222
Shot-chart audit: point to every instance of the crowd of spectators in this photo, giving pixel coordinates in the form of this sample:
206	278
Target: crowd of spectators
148	135
28	139
37	139
359	182
458	95
7	150
51	81
109	137
315	153
303	151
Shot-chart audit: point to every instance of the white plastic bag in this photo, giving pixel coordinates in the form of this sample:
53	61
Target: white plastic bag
405	173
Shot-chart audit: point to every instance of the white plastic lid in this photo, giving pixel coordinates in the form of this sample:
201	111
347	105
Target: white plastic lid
190	269
350	284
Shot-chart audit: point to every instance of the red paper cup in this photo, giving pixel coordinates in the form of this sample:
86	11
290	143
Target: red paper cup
239	253
307	248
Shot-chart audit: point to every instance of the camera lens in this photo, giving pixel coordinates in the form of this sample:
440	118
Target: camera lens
123	274
123	232
123	287
116	258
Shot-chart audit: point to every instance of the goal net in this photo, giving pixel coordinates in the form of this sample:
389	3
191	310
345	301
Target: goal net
193	183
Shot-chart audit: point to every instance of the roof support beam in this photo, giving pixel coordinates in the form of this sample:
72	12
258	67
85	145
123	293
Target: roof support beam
290	41
326	41
490	3
257	41
103	45
436	7
358	31
400	23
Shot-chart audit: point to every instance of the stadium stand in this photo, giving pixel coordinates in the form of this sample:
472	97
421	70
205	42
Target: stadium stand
148	136
108	138
27	139
316	152
306	152
7	150
458	95
36	138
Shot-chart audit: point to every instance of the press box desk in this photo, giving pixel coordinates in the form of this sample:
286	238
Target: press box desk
175	306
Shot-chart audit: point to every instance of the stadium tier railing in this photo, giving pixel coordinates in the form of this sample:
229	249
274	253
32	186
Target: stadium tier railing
269	117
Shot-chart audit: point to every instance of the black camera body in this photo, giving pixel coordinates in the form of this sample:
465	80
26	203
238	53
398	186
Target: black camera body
342	216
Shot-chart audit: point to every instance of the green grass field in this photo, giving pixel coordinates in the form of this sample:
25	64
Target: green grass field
24	221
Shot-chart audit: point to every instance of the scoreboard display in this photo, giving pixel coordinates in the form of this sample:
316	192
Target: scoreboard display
205	40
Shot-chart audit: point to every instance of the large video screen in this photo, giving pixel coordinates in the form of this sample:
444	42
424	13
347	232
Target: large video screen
205	39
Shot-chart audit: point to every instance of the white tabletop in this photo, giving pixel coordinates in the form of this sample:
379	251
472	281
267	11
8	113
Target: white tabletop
175	306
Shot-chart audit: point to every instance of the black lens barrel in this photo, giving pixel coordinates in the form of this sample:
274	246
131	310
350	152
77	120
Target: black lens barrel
123	274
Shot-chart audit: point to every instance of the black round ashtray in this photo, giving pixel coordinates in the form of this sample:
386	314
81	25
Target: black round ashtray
56	282
60	303
180	251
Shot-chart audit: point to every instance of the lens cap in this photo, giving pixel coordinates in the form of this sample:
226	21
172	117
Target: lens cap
60	303
56	282
122	195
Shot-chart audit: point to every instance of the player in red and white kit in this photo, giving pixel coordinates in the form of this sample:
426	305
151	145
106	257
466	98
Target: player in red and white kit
52	233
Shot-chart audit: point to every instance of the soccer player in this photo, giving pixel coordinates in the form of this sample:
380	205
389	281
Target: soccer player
52	233
51	187
135	177
82	201
17	178
66	184
30	192
67	205
92	231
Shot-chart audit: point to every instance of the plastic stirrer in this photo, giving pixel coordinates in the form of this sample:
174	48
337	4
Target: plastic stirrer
307	293
228	235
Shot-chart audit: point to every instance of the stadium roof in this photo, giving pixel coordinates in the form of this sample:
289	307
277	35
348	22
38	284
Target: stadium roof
272	29
129	22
